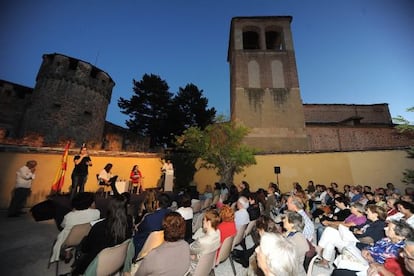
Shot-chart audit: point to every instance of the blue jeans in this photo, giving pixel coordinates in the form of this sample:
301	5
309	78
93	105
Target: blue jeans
78	184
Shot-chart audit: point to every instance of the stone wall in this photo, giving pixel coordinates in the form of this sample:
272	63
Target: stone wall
69	102
13	102
343	138
337	113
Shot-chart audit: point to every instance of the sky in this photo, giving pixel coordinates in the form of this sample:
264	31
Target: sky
347	51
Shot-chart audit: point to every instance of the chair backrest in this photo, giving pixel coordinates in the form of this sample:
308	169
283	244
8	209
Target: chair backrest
196	206
207	203
239	236
109	261
205	264
76	234
198	222
225	249
249	228
155	239
311	264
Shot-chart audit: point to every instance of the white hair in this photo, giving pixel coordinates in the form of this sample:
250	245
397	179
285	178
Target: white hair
280	254
244	202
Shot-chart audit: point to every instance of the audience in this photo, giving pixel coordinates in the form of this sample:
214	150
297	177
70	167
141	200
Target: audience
332	238
359	228
113	230
172	257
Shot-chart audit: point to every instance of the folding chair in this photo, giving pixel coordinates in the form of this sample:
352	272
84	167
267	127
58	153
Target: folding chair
109	261
76	235
155	239
225	253
205	264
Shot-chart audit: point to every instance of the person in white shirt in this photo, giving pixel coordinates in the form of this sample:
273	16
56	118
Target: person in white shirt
22	190
241	216
106	178
84	211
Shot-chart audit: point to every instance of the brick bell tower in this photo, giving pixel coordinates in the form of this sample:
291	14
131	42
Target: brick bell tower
264	86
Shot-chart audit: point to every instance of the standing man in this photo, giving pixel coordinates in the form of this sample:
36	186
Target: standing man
80	172
22	190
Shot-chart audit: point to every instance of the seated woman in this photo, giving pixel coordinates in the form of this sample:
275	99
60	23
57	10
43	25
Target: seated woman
389	247
172	257
185	210
106	178
264	224
407	209
343	211
206	239
331	238
293	223
373	230
227	225
84	211
391	207
135	177
113	230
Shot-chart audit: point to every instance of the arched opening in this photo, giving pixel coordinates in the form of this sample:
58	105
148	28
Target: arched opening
251	40
274	41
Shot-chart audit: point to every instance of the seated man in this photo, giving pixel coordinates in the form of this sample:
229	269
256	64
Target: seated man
241	216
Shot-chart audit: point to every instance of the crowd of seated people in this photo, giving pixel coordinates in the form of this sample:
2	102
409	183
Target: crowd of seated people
325	217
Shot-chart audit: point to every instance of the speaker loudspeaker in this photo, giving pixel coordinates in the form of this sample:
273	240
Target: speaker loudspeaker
277	170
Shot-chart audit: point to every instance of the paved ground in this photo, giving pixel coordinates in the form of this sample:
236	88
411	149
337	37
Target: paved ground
25	247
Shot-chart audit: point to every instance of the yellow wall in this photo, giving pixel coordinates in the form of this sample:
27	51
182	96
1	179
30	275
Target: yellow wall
374	168
48	165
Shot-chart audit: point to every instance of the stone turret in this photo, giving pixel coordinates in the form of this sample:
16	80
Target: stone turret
69	101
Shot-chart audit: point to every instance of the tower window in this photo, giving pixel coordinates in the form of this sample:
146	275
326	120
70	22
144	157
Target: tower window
274	41
251	40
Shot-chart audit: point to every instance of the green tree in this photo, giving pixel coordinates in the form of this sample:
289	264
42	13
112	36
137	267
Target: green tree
220	147
405	126
190	109
148	109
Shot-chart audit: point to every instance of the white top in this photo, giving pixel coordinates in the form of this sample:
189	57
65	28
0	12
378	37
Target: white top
104	175
24	177
71	219
186	212
241	217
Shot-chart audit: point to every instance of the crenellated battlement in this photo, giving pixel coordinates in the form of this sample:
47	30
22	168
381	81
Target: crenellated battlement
64	68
